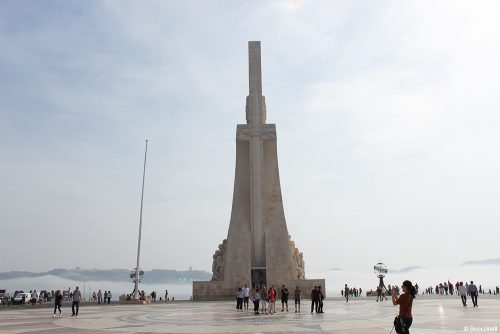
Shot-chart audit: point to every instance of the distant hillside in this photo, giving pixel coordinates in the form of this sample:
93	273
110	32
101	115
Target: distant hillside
115	275
404	270
482	262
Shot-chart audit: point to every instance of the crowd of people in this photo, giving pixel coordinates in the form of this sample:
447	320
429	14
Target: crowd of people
448	288
152	297
351	292
264	299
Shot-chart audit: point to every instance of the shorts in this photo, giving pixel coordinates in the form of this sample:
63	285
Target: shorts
297	301
245	300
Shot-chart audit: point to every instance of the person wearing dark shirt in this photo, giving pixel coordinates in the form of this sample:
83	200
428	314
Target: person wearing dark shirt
404	320
473	293
58	302
320	300
284	298
314	300
296	296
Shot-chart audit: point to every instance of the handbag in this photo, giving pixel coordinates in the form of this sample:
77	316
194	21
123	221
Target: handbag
399	325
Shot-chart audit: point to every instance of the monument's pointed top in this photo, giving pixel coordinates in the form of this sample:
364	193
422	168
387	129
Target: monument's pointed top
255	68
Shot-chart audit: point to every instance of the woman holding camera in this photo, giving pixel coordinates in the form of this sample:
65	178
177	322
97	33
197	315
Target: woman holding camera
403	321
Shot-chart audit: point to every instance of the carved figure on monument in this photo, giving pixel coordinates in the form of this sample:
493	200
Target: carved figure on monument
301	266
218	262
298	258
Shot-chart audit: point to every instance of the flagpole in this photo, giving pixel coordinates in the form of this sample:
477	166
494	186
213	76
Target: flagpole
137	270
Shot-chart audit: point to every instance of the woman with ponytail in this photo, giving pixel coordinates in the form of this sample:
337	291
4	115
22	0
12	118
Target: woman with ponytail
403	321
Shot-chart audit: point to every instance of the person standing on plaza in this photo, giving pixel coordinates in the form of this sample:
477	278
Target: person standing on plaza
320	300
77	297
99	297
264	299
105	296
239	300
404	320
346	293
284	298
246	293
314	299
275	296
256	300
33	298
473	293
58	302
462	291
271	294
383	291
296	296
166	295
109	297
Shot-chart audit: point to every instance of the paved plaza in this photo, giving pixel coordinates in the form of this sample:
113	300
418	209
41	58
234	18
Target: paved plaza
431	315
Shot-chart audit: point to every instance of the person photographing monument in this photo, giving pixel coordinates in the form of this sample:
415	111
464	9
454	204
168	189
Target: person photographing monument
404	319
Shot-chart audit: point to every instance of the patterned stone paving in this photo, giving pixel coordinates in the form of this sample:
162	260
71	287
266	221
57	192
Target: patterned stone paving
431	315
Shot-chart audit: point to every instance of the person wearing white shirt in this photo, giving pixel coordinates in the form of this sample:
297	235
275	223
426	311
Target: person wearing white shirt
246	292
462	291
33	298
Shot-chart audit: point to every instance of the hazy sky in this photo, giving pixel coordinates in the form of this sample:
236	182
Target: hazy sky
387	117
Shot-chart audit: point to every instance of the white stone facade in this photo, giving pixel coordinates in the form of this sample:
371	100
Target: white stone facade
258	243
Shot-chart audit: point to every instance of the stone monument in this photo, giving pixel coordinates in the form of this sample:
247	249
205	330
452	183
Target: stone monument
258	248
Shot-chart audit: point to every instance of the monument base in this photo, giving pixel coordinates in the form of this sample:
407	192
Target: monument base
220	290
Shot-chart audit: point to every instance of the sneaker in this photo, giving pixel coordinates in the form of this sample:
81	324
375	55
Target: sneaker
54	315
